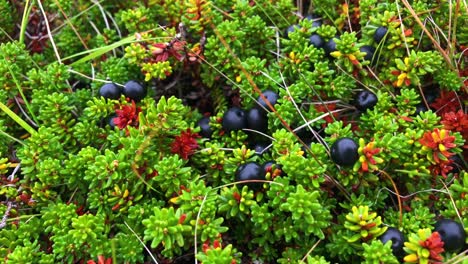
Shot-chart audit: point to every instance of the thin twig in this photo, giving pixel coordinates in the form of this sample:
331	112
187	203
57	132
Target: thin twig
49	32
141	241
5	215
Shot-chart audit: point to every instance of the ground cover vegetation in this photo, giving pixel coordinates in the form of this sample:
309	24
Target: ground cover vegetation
221	131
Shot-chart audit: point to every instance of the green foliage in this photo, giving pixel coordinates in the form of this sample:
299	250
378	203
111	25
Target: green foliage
7	18
348	53
307	212
136	20
171	175
419	217
410	70
76	188
376	252
218	255
364	224
167	227
235	202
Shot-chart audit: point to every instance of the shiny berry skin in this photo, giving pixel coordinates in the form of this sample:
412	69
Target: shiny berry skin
380	34
270	96
134	90
251	171
110	91
316	40
365	100
397	238
344	152
452	233
234	119
257	120
205	129
369	50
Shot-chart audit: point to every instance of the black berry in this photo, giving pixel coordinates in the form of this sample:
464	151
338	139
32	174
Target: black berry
380	34
365	100
205	129
397	239
110	91
234	119
344	152
369	50
257	120
270	96
316	40
329	47
251	171
134	90
452	233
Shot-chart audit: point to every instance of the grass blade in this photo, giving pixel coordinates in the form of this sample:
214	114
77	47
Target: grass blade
17	119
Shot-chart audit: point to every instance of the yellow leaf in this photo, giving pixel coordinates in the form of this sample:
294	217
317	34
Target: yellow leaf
336	54
401	79
413	258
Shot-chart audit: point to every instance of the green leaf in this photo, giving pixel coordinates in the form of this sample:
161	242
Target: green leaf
97	52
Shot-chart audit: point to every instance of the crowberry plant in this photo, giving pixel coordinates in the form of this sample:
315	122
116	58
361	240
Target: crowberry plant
218	131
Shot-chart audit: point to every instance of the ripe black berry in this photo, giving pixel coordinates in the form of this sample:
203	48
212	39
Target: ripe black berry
110	91
380	34
397	239
250	171
257	120
234	119
344	152
365	100
329	47
369	50
270	96
134	90
205	129
316	40
452	233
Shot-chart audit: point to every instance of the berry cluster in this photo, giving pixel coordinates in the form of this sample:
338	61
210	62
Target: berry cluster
127	114
133	90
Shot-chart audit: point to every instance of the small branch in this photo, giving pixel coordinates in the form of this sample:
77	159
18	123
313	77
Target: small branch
5	216
49	32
